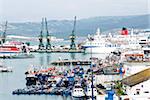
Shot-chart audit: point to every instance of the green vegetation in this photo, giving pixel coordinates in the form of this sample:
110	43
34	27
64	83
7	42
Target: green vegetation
119	88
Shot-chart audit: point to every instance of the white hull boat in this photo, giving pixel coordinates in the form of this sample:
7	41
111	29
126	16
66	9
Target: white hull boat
5	69
89	92
78	91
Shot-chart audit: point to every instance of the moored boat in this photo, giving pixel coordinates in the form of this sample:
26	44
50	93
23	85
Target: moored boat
5	69
78	91
88	91
8	50
14	49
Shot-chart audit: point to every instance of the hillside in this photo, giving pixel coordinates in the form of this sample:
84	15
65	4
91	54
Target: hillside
63	28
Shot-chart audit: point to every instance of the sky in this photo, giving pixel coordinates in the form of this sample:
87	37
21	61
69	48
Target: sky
34	10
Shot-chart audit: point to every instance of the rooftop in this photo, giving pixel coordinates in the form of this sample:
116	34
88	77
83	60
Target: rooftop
137	78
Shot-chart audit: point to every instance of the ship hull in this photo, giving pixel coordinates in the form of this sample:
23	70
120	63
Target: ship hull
99	49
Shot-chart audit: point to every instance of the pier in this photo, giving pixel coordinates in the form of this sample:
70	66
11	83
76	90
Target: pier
71	62
59	51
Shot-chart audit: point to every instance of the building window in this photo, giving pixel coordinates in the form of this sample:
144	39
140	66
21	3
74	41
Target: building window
146	91
137	92
142	86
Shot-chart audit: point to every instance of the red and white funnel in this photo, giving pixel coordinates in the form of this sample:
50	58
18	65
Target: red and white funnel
124	31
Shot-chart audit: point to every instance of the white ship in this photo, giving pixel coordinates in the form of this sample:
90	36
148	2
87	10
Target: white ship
14	49
99	44
107	44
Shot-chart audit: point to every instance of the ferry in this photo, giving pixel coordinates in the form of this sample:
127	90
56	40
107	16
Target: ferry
12	48
8	51
109	43
98	44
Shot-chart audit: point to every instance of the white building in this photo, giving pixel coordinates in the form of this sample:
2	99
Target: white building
137	86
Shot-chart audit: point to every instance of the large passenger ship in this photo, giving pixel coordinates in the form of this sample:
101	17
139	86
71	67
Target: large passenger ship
108	43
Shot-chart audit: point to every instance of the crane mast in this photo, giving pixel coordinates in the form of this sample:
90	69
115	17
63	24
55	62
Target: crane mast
4	34
72	36
48	37
41	45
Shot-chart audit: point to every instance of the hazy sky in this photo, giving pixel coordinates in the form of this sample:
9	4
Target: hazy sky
34	10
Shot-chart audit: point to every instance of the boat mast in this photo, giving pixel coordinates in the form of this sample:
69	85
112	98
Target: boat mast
48	37
91	66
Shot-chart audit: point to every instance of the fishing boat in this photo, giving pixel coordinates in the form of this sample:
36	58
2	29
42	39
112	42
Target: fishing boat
78	91
88	91
134	55
31	79
5	69
22	56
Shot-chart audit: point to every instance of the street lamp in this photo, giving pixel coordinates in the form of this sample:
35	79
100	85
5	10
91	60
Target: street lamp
92	73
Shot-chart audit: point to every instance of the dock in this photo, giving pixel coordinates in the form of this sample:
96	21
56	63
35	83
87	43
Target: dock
71	62
59	51
19	56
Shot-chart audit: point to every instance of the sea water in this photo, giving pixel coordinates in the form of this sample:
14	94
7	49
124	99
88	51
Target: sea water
16	79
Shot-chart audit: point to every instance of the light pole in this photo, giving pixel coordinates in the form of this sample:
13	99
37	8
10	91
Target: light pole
92	73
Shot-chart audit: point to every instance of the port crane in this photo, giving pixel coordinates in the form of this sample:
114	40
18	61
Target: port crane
41	45
48	37
72	36
3	38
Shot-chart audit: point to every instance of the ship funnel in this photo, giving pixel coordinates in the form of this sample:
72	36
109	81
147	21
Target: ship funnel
98	31
124	31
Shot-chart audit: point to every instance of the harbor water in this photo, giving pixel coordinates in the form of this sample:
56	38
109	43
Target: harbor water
16	79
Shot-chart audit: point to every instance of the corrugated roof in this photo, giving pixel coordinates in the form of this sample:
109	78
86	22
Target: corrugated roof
137	78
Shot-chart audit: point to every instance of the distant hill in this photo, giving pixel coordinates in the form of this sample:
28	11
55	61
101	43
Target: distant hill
63	28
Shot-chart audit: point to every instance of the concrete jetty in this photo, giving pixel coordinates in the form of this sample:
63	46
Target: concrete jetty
59	51
71	62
